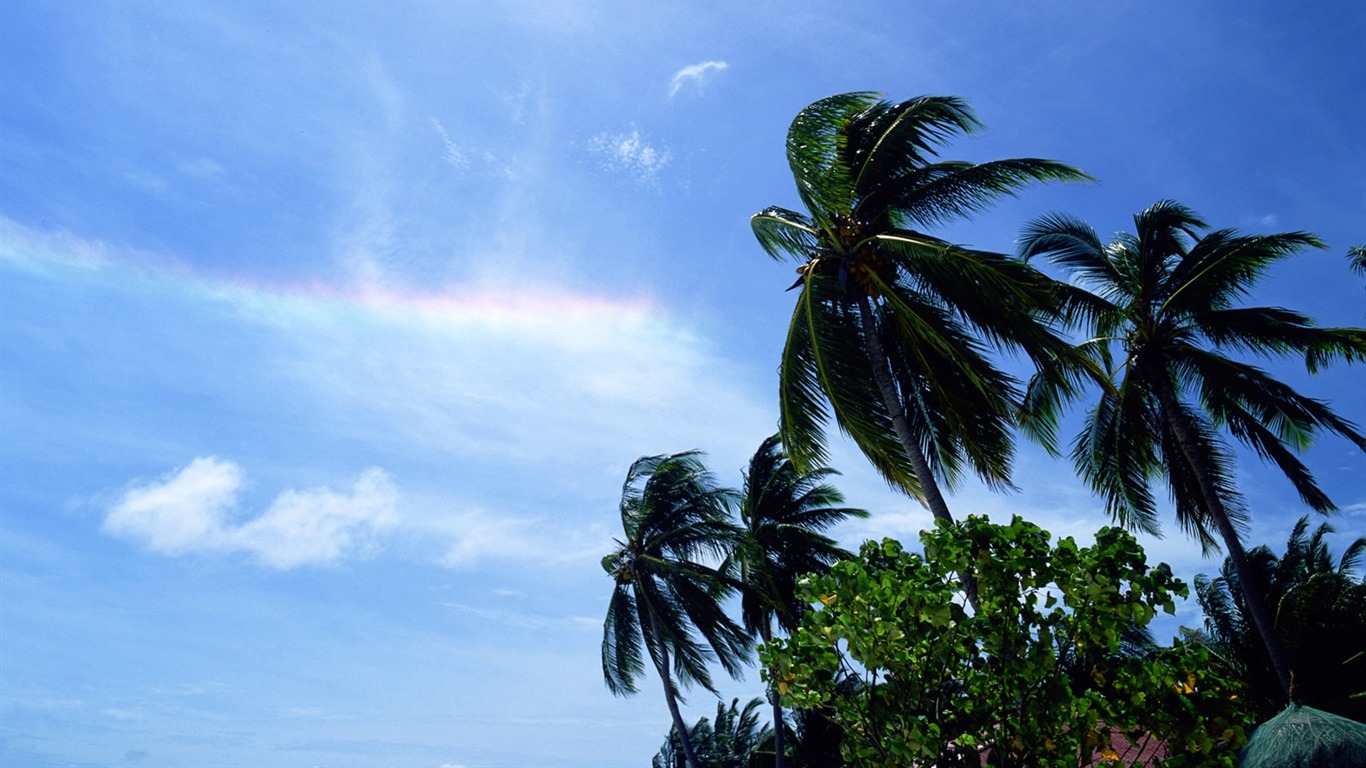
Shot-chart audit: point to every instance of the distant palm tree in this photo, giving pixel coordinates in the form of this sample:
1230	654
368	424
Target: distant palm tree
735	739
783	513
675	518
1320	614
1356	257
892	326
1165	299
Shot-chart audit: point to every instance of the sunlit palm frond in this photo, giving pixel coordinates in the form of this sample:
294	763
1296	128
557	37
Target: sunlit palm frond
814	143
785	234
886	140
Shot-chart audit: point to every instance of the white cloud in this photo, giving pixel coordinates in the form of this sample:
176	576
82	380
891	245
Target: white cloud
188	512
183	513
694	74
320	525
631	154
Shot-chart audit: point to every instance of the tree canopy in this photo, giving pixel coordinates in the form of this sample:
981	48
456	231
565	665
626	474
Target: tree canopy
1039	676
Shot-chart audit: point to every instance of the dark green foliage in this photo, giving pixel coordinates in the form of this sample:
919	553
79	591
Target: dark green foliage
1319	608
734	739
783	512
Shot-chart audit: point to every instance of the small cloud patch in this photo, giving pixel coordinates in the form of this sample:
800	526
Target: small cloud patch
631	154
187	512
695	76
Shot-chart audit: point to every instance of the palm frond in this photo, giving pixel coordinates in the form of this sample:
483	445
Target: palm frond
1201	458
886	139
841	370
666	603
1273	331
1115	454
1356	259
815	141
1222	266
783	233
802	404
947	191
1227	385
622	662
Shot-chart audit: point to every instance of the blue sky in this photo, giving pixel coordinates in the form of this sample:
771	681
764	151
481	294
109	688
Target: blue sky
328	330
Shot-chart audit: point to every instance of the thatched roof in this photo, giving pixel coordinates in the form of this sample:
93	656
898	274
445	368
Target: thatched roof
1304	737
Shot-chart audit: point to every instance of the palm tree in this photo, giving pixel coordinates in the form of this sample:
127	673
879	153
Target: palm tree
1319	609
783	512
892	326
1165	297
735	739
674	515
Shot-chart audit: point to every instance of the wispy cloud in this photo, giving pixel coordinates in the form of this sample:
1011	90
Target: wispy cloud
474	537
695	75
454	154
465	158
631	154
1261	221
187	512
525	620
543	393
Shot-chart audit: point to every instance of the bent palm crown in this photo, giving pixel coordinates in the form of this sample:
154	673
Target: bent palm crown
892	326
783	513
1164	300
663	597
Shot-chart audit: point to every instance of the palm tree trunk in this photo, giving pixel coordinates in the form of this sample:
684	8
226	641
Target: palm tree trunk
1214	507
680	727
882	376
779	738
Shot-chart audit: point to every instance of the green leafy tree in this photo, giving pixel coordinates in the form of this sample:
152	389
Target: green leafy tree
734	739
1165	298
783	513
943	686
667	601
1320	618
892	328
